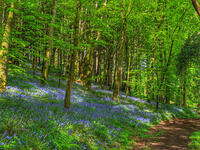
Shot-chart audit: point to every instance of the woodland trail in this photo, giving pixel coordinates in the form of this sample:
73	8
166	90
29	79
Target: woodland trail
174	135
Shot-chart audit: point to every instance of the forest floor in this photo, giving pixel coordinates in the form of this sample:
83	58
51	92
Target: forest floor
32	117
174	134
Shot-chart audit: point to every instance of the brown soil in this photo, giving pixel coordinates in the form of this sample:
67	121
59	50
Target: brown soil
174	135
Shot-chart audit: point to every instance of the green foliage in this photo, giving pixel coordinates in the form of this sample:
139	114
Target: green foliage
195	141
62	140
154	29
101	131
190	53
161	37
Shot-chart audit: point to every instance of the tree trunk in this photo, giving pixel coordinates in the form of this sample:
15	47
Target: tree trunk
184	89
73	58
110	69
128	72
2	14
117	81
34	64
50	46
105	72
4	50
87	77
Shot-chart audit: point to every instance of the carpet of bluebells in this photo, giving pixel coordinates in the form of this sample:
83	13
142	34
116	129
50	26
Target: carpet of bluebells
33	117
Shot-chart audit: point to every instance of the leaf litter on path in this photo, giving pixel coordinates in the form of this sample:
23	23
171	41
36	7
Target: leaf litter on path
174	135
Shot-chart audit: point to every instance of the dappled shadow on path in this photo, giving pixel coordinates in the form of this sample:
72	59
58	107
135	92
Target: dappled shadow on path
175	135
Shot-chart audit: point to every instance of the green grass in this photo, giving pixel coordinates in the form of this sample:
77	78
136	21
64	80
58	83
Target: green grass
195	141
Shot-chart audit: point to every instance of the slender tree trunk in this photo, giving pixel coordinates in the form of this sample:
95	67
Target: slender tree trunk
95	63
178	93
184	89
117	81
128	72
73	58
50	46
60	67
53	58
34	64
159	23
81	68
4	50
137	63
2	14
119	67
96	59
110	69
89	61
168	63
88	68
98	80
105	72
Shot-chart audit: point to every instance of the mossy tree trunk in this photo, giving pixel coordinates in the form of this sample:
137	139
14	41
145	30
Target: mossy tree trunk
105	72
119	63
128	63
4	50
88	66
110	69
2	14
118	75
184	89
73	57
49	50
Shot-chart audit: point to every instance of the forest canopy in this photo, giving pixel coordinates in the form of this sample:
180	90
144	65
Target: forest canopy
132	46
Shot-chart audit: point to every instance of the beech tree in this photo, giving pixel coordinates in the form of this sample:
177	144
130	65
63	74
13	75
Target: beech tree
4	49
49	50
118	76
73	56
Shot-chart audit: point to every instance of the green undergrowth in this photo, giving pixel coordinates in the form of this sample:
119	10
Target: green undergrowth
36	127
195	141
40	121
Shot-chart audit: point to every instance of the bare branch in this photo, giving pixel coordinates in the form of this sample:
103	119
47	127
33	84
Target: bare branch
196	6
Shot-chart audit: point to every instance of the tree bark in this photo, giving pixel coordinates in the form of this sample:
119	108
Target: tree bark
88	68
184	89
128	71
50	46
110	69
105	72
73	57
118	76
4	50
196	6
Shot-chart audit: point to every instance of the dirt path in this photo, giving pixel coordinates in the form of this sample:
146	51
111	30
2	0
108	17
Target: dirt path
175	135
